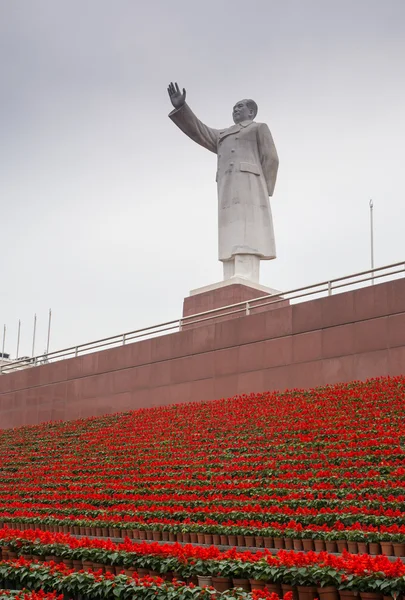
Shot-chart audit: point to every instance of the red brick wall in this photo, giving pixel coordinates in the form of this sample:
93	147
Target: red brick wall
354	335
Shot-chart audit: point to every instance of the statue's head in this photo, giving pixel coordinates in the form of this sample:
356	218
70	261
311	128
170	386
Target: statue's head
244	110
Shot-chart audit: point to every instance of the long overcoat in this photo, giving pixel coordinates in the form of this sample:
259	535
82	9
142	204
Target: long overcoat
246	176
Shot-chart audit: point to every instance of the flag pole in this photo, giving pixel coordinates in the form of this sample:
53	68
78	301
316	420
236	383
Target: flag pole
371	205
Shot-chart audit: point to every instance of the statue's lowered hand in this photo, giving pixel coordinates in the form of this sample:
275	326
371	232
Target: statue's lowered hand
177	97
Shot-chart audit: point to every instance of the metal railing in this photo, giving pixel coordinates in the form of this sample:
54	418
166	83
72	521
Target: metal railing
392	271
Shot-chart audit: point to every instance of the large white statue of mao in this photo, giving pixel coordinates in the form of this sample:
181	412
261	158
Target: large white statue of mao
246	176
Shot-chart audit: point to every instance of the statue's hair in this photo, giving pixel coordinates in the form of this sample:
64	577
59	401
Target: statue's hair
253	106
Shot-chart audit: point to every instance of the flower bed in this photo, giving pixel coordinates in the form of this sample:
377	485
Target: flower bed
49	578
319	469
238	574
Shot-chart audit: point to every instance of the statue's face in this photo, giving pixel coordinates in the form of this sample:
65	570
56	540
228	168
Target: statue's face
241	112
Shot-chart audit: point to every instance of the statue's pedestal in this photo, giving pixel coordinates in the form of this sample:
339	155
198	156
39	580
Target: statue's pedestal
224	293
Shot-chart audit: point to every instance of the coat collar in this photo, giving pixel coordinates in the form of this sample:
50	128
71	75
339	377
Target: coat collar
234	129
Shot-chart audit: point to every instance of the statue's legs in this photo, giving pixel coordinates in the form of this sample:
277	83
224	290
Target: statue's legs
246	266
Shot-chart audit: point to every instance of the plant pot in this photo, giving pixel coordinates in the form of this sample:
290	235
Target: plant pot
331	546
286	587
118	569
77	565
165	536
222	584
352	547
98	567
241	583
204	581
399	548
307	592
257	584
50	557
374	548
308	545
87	531
157	536
200	538
329	592
208	539
259	541
82	530
153	573
88	565
129	571
142	572
149	534
216	539
104	531
231	540
109	569
250	541
278	543
142	534
387	549
68	563
172	537
319	545
349	594
240	540
362	547
371	596
193	579
341	545
297	545
179	538
288	543
12	555
193	538
224	539
274	588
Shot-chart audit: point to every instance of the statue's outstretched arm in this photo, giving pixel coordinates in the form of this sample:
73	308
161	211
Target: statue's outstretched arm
186	120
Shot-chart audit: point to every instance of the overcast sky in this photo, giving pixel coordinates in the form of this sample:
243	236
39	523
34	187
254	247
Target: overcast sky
108	213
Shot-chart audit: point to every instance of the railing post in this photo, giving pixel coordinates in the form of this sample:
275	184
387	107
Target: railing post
76	351
247	308
123	339
329	288
180	325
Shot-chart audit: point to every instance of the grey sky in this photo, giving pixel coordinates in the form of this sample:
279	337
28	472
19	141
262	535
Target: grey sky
108	212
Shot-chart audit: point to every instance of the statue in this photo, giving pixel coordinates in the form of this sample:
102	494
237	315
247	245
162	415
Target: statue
246	176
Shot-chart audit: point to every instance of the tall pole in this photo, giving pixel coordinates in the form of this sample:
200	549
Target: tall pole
2	350
49	331
4	341
33	335
18	338
371	205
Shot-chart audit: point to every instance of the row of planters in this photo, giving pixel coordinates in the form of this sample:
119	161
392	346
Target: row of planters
286	571
313	582
353	541
45	580
28	595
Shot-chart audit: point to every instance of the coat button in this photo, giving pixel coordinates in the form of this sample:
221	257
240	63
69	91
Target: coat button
233	150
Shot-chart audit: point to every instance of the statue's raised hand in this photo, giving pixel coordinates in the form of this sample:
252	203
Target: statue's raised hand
177	97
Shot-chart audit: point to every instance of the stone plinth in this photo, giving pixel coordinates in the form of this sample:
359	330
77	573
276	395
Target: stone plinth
225	293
